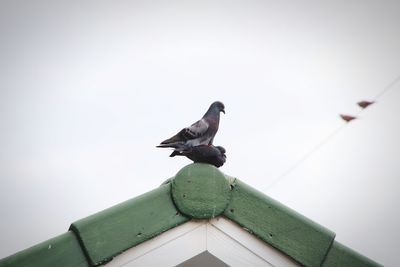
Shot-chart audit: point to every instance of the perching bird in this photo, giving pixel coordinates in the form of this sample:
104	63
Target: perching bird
210	154
347	118
364	103
201	132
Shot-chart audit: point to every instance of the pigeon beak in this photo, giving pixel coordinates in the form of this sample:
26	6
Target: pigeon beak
223	110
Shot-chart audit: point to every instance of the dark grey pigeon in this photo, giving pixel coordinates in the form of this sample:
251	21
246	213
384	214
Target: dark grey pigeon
201	132
210	154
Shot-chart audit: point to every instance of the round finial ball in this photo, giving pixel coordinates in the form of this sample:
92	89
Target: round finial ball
200	191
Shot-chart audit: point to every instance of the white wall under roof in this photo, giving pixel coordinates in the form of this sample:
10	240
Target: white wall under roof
220	237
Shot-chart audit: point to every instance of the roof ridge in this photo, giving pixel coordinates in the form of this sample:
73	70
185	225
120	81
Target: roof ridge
198	191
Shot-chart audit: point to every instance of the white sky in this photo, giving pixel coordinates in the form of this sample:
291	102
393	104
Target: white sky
89	88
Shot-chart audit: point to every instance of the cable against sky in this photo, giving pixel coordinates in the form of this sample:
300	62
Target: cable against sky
327	139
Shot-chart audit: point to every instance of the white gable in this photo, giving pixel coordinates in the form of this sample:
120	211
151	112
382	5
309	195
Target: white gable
220	237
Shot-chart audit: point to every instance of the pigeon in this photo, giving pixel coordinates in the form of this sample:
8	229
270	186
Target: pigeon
201	132
363	104
347	118
210	154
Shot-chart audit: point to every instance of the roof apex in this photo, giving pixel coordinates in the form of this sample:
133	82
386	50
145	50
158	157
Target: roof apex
198	191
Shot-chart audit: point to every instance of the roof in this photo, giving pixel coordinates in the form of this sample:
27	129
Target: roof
198	191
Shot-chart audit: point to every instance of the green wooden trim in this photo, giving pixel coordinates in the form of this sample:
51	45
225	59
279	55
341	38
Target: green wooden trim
342	256
283	228
200	191
101	236
114	230
61	251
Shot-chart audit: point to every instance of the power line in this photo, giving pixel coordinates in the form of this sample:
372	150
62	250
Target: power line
387	88
327	139
306	156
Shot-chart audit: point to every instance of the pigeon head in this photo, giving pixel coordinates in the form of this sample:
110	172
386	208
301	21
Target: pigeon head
221	149
217	107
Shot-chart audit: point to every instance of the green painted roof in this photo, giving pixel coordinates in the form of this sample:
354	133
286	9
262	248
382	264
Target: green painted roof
283	228
110	232
61	251
198	191
340	255
201	192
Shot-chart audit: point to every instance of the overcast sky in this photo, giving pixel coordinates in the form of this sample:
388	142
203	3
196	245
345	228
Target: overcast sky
89	88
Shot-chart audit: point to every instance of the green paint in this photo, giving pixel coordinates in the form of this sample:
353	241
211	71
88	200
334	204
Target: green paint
61	251
114	230
342	256
200	191
288	231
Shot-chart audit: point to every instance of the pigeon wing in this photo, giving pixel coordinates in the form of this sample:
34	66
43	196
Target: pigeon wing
197	129
194	131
